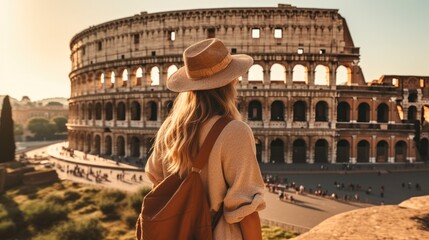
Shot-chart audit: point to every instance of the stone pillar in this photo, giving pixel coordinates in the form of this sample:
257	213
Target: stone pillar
391	158
310	150
266	72
289	75
333	154
373	112
310	75
333	76
266	152
353	151
353	110
373	149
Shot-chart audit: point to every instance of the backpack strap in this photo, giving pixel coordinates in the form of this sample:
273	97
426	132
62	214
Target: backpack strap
208	143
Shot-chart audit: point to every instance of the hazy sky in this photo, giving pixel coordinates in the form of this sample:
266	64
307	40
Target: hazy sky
393	35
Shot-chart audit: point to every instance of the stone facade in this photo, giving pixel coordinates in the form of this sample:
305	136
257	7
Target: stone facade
305	97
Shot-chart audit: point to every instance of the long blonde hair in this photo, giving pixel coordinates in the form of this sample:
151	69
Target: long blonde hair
177	140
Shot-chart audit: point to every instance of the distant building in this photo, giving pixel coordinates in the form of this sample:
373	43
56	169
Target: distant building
305	97
25	109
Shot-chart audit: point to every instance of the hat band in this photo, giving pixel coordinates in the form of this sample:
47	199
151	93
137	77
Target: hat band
207	72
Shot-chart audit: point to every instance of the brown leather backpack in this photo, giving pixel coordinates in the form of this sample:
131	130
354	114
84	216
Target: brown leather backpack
178	208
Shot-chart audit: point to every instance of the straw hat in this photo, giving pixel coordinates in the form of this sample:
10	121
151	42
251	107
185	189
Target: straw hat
208	65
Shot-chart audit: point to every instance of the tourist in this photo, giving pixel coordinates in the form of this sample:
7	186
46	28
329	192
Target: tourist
206	86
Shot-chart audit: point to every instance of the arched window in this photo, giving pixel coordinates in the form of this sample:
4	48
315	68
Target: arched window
255	111
321	151
321	75
154	76
424	149
400	151
120	146
412	113
277	73
135	110
112	78
382	113
83	111
120	111
89	111
412	96
363	151
153	111
277	111
138	78
299	153
343	75
135	147
98	111
258	145
277	151
88	143
343	151
172	69
343	112
109	111
363	112
322	112
300	111
256	73
97	145
299	73
108	146
382	151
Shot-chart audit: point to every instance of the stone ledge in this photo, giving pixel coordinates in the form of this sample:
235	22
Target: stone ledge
408	220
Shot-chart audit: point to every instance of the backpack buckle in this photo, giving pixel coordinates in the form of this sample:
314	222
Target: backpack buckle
197	170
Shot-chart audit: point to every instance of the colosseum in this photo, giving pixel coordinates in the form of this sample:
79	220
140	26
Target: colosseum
305	97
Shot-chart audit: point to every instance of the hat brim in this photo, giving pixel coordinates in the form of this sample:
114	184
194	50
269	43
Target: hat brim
179	81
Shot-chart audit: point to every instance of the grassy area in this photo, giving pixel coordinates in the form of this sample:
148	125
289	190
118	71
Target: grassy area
67	210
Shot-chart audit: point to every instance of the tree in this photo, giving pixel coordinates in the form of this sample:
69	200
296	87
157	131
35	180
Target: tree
7	139
61	124
42	128
18	131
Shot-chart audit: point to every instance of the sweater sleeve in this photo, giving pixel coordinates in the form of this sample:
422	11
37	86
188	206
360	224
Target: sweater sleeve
154	170
242	174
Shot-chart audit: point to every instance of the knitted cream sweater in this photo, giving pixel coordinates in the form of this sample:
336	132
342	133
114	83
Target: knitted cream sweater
232	176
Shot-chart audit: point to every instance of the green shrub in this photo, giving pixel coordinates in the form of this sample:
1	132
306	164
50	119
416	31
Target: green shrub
113	195
54	198
89	229
135	200
44	214
130	218
7	228
71	195
83	202
107	206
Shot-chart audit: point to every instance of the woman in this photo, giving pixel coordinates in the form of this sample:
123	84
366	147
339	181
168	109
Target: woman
206	86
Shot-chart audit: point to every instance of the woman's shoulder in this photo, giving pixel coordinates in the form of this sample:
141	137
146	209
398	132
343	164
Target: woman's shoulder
238	128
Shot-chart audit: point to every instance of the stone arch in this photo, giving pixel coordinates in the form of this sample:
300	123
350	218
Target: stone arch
363	112
400	151
120	111
424	149
101	81
97	145
363	151
88	143
321	75
154	76
277	72
135	110
135	146
138	77
171	69
382	151
256	73
343	151
321	151
152	110
98	111
300	73
258	145
89	111
277	111
383	113
255	111
343	75
322	112
120	146
124	78
343	112
300	111
412	113
299	152
108	145
277	151
109	111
